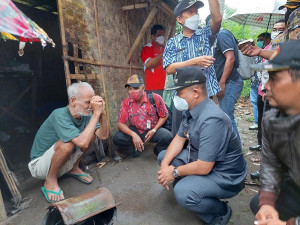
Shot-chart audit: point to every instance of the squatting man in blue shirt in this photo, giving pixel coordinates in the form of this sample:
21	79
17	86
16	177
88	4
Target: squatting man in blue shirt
65	136
212	166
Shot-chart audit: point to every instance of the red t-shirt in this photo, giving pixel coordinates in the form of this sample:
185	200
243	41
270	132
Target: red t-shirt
154	78
138	114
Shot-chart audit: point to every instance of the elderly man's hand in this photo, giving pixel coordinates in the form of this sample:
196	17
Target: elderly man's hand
98	105
165	176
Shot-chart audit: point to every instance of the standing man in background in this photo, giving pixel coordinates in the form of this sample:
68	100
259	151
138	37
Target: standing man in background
151	55
191	47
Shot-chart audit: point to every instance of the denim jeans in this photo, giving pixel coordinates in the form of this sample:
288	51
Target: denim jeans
233	91
162	137
253	100
199	194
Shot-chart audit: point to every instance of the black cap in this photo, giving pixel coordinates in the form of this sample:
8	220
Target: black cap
286	56
185	4
187	76
134	81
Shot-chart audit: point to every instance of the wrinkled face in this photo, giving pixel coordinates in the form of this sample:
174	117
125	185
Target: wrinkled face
83	102
281	91
191	11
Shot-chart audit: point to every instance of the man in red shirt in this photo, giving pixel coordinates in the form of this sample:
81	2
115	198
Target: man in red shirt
151	56
145	124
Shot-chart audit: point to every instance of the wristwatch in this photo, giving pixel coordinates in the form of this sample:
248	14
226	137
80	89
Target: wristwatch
175	173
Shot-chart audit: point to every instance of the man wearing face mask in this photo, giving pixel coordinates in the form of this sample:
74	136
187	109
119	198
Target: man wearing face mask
145	124
192	46
151	55
292	20
212	167
262	41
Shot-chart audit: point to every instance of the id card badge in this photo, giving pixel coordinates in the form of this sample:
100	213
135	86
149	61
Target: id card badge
148	124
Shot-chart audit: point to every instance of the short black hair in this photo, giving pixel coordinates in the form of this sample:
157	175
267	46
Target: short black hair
265	35
280	21
155	28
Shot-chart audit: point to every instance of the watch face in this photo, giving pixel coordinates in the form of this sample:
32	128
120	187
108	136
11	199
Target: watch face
175	174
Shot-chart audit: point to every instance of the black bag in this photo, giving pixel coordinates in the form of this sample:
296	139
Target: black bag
168	123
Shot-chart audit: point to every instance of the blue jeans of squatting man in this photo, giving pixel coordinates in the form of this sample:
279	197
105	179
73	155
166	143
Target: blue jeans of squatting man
233	91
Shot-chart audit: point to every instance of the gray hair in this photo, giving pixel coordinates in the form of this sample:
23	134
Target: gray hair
74	89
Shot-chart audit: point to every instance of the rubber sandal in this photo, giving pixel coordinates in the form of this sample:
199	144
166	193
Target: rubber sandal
79	177
45	192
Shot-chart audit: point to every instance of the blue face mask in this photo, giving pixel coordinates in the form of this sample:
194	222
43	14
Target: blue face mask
260	44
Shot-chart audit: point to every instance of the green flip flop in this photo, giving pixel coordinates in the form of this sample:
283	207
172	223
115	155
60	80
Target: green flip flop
45	192
79	177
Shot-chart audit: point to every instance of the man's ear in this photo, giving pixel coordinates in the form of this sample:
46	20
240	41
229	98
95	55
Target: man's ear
72	101
180	20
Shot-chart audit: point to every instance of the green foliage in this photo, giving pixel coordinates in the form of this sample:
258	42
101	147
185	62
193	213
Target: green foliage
246	89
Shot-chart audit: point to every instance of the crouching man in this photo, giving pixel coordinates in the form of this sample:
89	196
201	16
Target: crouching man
212	166
278	201
65	136
145	122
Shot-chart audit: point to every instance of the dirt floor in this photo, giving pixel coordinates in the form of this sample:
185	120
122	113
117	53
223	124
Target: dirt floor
133	184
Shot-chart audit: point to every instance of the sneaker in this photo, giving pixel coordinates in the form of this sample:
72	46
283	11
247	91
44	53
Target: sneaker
222	220
255	148
253	127
255	175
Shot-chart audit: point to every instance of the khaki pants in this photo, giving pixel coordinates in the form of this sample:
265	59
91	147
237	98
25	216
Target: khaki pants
39	167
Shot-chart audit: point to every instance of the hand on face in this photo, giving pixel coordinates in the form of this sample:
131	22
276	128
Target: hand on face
97	105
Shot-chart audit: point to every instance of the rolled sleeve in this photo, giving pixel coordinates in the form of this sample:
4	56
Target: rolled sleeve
123	114
213	140
169	55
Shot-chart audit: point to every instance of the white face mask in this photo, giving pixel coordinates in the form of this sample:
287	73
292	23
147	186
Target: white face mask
274	34
160	40
181	104
192	22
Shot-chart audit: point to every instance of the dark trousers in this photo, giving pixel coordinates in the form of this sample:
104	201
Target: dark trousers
162	137
288	202
262	107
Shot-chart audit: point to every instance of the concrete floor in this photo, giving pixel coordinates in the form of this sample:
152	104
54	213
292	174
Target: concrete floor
133	183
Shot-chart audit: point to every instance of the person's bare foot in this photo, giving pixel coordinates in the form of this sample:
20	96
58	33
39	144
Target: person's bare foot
77	170
52	185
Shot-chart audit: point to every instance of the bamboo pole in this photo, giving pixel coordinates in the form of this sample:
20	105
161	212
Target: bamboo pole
135	6
3	215
63	41
142	32
87	61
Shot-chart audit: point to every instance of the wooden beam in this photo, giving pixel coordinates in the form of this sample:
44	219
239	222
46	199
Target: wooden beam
135	6
63	41
87	61
167	9
142	32
83	76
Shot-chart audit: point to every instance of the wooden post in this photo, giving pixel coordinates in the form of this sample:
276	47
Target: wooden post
63	41
142	32
3	215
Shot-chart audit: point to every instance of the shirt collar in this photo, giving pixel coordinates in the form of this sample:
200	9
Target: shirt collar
198	109
197	32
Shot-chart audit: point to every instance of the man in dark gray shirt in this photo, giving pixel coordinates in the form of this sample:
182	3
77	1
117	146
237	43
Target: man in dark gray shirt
212	167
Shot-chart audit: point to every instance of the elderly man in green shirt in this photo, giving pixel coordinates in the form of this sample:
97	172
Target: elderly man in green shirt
65	136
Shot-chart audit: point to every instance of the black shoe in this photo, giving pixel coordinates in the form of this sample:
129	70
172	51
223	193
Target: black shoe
255	148
255	175
135	153
222	220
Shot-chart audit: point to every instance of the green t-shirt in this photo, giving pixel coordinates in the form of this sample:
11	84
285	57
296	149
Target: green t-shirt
60	125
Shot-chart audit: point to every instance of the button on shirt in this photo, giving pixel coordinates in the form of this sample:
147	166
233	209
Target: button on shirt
138	114
181	48
213	139
154	78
